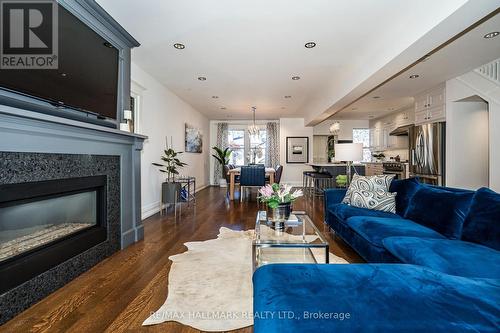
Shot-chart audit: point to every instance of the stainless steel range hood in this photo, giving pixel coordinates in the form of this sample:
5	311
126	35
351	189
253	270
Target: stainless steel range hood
401	130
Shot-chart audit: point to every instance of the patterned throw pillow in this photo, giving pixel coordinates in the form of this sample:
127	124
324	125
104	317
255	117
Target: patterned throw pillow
377	200
368	183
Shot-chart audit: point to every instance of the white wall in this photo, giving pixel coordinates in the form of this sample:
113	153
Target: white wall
346	127
292	173
468	145
462	87
163	114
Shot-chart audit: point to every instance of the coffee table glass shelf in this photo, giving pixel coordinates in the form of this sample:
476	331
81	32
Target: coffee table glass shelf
299	242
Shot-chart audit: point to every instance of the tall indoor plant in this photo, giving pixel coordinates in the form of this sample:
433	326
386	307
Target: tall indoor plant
222	156
170	189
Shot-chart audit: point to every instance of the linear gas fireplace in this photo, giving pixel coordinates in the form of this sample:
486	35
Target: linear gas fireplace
43	224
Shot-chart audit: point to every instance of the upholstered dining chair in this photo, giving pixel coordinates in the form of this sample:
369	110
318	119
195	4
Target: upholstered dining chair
251	176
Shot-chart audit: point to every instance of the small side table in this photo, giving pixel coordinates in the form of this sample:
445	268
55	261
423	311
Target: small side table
188	183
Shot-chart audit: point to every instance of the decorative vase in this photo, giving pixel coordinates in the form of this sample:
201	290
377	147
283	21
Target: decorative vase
279	215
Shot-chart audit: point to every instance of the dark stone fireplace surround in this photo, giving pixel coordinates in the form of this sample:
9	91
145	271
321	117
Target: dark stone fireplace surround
29	167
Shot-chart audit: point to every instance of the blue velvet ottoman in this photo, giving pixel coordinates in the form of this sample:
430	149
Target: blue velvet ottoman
372	298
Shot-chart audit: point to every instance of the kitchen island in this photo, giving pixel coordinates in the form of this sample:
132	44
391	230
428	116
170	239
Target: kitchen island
338	168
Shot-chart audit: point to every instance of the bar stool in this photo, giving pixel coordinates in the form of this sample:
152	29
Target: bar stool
321	181
305	179
308	182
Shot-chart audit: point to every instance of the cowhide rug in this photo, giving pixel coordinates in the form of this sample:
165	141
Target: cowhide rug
210	285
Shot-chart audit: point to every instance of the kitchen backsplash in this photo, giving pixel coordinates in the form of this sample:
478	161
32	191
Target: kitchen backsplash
403	154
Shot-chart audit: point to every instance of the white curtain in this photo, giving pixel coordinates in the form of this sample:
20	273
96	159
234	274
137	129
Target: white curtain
272	144
222	142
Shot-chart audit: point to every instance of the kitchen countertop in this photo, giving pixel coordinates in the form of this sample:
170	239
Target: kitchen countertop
313	164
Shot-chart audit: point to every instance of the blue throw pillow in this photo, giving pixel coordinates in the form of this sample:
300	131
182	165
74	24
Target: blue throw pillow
482	224
405	189
439	209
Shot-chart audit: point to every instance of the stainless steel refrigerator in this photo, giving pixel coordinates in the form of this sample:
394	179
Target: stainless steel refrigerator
427	153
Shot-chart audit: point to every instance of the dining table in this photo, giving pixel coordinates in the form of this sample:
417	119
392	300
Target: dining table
237	171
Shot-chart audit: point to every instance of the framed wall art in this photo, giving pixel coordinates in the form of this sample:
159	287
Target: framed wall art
193	140
297	149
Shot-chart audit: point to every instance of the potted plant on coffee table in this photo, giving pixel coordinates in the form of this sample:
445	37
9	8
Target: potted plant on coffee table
279	199
222	156
170	189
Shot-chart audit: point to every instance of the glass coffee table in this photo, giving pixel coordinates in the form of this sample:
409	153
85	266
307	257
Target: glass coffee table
299	242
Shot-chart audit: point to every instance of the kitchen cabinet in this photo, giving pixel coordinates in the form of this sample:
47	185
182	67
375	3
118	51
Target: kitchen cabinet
404	118
430	106
375	138
372	169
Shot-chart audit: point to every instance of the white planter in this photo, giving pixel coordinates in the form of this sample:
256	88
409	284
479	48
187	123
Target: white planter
222	182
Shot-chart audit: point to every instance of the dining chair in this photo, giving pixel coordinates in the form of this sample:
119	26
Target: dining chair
277	174
228	177
251	176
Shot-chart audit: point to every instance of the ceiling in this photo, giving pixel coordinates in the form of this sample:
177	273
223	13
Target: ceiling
249	49
462	55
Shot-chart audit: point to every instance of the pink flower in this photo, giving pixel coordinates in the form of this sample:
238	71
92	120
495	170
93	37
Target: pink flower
266	191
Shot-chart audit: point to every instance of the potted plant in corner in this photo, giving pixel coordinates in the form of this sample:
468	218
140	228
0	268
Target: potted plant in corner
279	199
170	189
222	156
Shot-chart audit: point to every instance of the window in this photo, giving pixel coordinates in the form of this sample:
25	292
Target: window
362	135
258	148
247	148
136	92
236	140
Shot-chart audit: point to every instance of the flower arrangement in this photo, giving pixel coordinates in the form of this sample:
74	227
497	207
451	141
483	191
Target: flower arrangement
276	194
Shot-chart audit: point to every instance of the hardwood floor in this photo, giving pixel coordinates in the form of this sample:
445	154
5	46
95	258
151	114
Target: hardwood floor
118	294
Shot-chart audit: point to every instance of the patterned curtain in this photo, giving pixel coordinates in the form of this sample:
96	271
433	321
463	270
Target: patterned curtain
222	143
272	144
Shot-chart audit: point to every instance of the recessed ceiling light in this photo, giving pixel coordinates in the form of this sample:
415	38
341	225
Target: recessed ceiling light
179	46
295	78
108	44
64	74
414	76
288	96
491	34
223	108
310	45
376	97
215	96
354	109
202	78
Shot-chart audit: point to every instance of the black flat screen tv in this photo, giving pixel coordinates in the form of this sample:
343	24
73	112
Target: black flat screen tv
87	74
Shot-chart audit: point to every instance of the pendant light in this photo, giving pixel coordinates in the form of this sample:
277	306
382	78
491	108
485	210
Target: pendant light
335	128
253	129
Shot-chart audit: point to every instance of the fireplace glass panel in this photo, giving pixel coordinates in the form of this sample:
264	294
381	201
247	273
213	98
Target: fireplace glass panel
27	226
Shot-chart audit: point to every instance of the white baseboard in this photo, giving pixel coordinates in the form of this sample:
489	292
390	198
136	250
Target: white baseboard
150	210
292	183
202	188
153	208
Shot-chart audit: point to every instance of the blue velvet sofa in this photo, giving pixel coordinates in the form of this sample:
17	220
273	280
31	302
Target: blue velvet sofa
433	266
